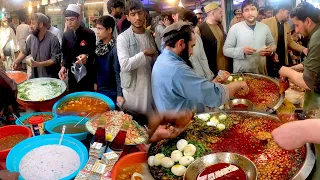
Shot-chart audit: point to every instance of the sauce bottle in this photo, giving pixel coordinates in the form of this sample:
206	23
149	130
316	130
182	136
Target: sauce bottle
99	137
118	143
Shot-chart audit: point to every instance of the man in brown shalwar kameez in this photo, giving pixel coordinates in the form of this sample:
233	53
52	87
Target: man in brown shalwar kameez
213	37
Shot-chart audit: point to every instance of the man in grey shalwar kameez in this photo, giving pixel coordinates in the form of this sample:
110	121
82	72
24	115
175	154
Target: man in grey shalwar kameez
249	42
136	52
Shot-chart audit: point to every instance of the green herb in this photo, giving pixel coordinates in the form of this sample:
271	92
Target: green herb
54	84
168	149
168	171
44	84
24	96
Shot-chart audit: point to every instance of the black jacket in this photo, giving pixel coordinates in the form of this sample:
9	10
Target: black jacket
83	41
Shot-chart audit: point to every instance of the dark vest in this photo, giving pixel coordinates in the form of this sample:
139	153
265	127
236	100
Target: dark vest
210	45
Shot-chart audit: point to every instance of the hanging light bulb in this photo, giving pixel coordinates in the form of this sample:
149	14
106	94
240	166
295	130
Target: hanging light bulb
30	7
180	4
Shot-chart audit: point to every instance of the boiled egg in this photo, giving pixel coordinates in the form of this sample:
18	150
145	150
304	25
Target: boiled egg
151	161
230	78
157	159
186	160
222	117
215	121
204	117
176	155
189	150
178	170
181	144
166	162
221	127
210	123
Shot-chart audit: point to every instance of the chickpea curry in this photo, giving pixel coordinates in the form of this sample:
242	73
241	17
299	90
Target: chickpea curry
83	106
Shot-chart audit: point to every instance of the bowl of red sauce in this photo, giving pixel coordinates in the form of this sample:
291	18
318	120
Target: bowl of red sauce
239	105
10	136
222	166
18	76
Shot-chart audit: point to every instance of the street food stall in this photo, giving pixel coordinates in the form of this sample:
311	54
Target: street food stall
81	136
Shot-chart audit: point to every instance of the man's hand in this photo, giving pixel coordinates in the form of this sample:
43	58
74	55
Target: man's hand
305	51
95	87
82	58
168	125
15	66
221	77
298	67
3	57
149	52
289	136
275	57
32	63
7	175
63	73
243	88
267	51
285	71
120	100
249	50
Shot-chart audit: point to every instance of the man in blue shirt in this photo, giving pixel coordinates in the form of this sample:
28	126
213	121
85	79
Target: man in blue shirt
175	86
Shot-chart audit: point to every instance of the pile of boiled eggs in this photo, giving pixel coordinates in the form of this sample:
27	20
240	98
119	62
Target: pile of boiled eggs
183	155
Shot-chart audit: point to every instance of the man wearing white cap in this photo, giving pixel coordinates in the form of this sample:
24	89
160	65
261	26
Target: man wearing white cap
213	37
78	46
199	14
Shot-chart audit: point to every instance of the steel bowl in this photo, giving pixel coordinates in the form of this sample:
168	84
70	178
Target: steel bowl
278	102
200	164
230	105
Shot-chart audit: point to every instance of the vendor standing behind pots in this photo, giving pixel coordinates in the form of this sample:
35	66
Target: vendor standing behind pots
175	86
108	79
305	18
78	47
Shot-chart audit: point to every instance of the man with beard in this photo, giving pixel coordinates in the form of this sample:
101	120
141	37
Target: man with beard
44	48
115	9
238	17
78	46
137	52
268	11
175	86
199	15
249	42
213	37
281	32
306	21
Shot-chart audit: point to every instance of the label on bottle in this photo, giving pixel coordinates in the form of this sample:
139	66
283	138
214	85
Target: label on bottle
117	152
103	149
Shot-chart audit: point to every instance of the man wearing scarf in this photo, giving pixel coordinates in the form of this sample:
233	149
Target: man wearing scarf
108	75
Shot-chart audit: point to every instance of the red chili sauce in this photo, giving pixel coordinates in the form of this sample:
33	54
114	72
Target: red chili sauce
215	172
240	107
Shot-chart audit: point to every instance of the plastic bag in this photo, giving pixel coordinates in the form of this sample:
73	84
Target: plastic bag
79	71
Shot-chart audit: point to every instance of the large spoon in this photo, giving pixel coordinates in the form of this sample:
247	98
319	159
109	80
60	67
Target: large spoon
82	119
62	134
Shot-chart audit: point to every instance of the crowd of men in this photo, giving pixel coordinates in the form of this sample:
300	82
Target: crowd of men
176	67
